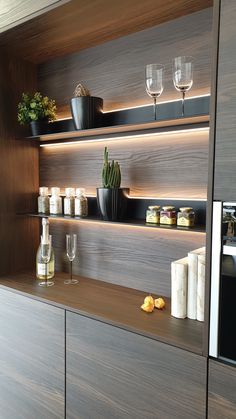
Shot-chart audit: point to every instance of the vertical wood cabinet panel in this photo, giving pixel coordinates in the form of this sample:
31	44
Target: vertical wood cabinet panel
112	373
31	358
222	391
225	151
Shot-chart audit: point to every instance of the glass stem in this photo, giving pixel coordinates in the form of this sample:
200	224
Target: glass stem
183	103
46	271
71	270
155	108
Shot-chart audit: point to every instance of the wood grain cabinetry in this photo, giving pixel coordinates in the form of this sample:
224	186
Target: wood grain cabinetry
225	148
222	391
31	358
14	12
112	373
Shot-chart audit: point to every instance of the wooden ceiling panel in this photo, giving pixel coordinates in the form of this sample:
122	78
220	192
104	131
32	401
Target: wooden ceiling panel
80	24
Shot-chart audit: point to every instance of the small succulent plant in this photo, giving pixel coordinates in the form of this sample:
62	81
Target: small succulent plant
81	90
111	175
35	108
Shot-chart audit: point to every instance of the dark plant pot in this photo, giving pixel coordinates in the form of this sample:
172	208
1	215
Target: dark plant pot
39	128
86	111
112	203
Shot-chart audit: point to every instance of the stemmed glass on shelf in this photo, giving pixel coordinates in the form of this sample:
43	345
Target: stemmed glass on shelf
183	76
71	249
154	83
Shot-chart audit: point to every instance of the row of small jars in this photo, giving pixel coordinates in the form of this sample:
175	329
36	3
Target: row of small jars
75	202
168	215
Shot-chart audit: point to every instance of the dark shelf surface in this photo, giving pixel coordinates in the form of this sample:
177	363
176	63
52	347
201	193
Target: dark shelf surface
129	222
112	304
124	130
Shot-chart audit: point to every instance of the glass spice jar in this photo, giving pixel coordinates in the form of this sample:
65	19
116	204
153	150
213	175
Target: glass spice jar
168	215
69	202
43	200
81	203
153	214
55	201
186	217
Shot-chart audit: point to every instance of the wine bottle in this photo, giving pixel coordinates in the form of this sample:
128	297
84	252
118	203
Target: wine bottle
45	270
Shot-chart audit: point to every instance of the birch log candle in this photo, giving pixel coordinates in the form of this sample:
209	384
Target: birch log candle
179	277
201	287
192	282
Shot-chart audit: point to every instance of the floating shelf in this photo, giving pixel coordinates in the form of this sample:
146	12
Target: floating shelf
129	222
120	131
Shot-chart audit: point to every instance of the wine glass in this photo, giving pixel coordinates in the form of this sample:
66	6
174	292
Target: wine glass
46	249
183	75
71	248
154	83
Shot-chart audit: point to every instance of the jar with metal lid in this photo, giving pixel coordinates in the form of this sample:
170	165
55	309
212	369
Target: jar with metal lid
186	217
228	223
43	200
69	202
153	214
81	203
55	201
168	215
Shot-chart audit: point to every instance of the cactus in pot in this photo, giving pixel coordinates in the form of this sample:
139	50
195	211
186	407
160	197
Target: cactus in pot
111	175
86	109
111	198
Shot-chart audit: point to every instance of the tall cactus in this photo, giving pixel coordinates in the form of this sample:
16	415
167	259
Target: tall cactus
111	175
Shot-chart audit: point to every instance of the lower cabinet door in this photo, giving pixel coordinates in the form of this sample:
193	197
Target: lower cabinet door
112	374
221	391
32	367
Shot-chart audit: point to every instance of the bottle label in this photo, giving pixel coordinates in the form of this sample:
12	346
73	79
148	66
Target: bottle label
42	268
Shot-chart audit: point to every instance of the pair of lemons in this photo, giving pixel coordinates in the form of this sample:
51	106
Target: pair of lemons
149	304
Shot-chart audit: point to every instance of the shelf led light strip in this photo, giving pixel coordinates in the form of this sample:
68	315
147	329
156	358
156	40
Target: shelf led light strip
145	105
124	225
126	137
159	103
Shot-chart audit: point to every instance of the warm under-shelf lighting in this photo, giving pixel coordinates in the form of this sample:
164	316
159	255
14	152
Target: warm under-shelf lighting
157	198
129	226
127	137
159	103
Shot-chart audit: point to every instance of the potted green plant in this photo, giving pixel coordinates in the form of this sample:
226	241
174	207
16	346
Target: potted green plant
37	111
111	198
86	109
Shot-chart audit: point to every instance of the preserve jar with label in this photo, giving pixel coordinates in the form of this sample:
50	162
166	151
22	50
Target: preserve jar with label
153	214
186	217
168	215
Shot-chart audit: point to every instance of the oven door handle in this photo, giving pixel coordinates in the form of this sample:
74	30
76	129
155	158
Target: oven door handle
215	278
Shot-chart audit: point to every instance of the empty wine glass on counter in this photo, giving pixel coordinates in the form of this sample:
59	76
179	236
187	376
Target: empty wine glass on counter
183	75
71	248
45	255
154	83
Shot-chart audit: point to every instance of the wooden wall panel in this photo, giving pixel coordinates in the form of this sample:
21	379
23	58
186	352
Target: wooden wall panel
221	395
32	362
115	70
14	12
80	24
112	373
18	170
159	166
225	147
130	256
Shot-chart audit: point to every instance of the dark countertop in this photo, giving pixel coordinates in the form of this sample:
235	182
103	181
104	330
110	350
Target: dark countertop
112	304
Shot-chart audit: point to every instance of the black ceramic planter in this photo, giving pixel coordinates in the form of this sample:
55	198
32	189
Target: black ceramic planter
86	111
112	203
39	128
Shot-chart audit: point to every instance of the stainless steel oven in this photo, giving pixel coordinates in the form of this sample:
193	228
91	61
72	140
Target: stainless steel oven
223	282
